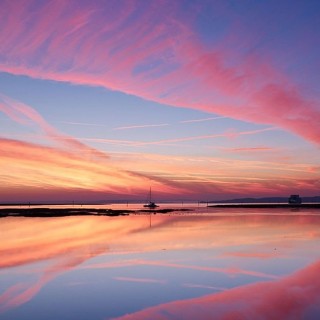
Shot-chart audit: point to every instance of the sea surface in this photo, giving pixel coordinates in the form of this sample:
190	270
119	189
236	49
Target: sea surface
207	263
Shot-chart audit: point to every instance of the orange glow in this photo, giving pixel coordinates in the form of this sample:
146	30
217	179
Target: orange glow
33	166
39	170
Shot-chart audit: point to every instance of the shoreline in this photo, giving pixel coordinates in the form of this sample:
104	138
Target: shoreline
266	205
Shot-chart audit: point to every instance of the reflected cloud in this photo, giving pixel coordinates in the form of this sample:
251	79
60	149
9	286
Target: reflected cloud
22	293
231	271
26	243
70	242
49	238
292	297
66	243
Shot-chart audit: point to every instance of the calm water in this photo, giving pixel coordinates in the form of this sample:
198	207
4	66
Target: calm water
204	264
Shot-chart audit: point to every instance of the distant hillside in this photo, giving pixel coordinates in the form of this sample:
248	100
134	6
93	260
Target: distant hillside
267	200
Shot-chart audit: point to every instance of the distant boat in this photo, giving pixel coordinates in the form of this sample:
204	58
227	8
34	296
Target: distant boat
151	204
294	199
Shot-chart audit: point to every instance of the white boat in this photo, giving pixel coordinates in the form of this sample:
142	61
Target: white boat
151	204
294	199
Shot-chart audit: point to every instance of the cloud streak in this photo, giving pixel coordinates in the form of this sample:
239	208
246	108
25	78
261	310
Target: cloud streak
152	51
132	143
202	120
142	126
26	115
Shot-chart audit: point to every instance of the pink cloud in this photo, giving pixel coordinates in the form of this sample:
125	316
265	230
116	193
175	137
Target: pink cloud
26	115
150	50
292	297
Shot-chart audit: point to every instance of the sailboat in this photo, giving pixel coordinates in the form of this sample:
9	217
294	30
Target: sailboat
151	204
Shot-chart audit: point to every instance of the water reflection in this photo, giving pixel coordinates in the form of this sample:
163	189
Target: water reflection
294	297
228	266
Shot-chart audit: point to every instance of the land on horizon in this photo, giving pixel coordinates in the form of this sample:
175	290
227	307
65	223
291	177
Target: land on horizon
308	199
266	200
29	210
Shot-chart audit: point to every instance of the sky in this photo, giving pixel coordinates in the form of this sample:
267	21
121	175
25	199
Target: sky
200	100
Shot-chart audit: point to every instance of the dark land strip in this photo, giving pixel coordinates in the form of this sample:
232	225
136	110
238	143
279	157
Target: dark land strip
266	205
62	212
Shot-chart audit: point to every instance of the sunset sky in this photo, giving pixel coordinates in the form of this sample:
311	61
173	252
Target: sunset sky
201	100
